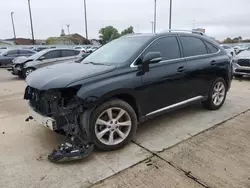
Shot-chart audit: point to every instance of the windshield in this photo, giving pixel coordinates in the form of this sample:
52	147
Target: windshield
116	52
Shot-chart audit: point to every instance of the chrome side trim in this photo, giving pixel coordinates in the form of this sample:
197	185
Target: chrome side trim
176	105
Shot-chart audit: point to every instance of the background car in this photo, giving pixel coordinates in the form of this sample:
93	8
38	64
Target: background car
239	48
23	67
241	64
80	48
3	48
92	49
7	56
229	50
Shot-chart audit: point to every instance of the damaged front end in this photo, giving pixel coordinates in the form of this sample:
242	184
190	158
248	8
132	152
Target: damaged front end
60	110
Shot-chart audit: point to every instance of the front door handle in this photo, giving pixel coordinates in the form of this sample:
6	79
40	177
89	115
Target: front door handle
181	69
213	62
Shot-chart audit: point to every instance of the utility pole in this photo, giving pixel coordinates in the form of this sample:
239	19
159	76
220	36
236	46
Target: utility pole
13	25
155	17
152	24
68	28
86	24
31	24
170	15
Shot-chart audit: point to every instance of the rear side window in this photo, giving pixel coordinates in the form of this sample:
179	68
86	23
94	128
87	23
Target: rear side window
168	47
68	53
193	46
52	54
211	48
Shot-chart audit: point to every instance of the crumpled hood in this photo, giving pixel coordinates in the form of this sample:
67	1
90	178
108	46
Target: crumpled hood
60	76
20	60
243	55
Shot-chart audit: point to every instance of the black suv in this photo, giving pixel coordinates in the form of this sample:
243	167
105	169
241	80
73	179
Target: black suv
127	81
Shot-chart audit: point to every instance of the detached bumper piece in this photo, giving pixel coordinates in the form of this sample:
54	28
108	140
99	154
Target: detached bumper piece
70	151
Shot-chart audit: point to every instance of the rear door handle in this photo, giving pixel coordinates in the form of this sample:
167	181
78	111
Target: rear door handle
213	62
181	69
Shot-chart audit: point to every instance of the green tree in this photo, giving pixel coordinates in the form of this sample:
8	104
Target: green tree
51	40
108	33
127	31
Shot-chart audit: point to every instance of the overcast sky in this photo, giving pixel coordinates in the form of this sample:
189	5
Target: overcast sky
220	18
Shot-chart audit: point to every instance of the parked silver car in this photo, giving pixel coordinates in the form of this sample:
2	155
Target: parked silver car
241	65
24	66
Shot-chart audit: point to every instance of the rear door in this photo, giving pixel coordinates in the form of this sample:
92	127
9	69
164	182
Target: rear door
201	59
164	84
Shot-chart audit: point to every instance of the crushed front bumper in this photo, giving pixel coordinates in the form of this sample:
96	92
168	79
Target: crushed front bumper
14	70
43	120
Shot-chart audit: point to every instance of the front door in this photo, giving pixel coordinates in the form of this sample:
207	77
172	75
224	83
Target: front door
164	84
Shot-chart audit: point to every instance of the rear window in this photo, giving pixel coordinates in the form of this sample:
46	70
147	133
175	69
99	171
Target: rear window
211	49
12	52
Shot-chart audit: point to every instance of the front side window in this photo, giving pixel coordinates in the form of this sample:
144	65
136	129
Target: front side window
193	46
52	54
68	53
167	46
26	52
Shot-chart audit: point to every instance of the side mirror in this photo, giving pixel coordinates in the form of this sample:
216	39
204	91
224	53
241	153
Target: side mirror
150	58
41	58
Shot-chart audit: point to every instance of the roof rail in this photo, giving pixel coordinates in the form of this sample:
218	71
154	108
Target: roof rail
188	31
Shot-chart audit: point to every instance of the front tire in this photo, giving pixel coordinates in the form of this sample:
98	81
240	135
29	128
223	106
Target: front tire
112	125
27	72
217	94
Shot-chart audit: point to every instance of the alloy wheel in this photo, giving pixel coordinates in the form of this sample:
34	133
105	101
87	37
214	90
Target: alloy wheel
113	126
28	72
219	93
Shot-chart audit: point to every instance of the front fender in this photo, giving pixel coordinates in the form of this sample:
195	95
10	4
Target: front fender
97	92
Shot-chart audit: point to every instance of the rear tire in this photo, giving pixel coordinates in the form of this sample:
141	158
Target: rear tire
112	125
217	94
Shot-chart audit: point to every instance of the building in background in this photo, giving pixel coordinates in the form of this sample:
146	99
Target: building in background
200	30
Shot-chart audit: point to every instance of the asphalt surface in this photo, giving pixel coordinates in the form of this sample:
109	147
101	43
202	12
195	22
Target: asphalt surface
185	148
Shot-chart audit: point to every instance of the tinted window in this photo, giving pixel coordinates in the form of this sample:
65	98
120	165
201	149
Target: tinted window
193	46
52	55
12	52
68	53
168	47
211	48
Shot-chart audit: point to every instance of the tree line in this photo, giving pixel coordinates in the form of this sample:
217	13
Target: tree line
229	40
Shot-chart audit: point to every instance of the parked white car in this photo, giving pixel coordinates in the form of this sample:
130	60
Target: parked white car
229	50
80	48
241	64
239	48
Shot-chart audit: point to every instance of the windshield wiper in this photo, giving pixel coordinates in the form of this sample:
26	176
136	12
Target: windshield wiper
94	63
